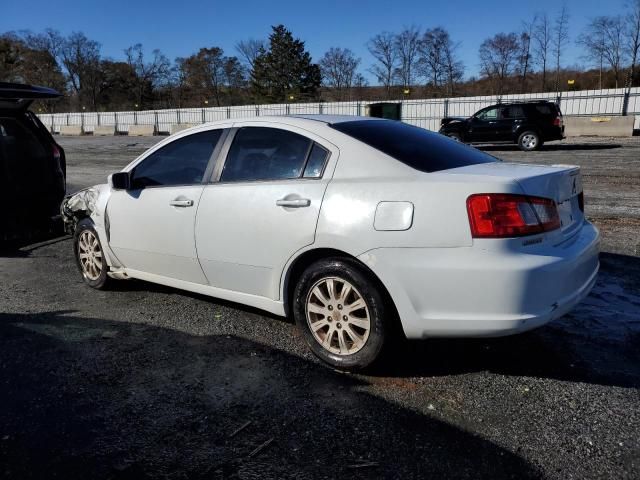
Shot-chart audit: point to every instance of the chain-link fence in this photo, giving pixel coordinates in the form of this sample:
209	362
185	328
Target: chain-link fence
424	113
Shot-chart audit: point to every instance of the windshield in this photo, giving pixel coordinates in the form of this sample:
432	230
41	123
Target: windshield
414	146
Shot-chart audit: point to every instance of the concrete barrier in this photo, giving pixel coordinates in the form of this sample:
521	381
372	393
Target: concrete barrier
104	130
71	130
178	127
142	130
599	126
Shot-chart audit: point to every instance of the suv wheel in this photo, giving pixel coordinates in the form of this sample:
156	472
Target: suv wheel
529	141
341	314
455	136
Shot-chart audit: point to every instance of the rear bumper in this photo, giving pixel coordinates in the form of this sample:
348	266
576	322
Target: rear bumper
481	292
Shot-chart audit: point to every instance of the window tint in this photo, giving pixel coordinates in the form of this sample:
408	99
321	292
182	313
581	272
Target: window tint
512	111
316	161
545	110
182	162
488	115
260	153
419	148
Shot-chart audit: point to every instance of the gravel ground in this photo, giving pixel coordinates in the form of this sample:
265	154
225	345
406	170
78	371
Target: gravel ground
148	382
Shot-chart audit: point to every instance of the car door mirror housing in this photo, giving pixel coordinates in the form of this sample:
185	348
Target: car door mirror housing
121	181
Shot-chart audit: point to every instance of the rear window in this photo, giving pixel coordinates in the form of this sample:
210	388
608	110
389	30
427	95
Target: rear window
414	146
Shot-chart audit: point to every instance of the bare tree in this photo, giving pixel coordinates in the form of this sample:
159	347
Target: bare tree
542	36
407	44
498	57
454	68
603	42
524	59
148	74
338	67
432	55
382	49
560	39
249	50
633	39
81	60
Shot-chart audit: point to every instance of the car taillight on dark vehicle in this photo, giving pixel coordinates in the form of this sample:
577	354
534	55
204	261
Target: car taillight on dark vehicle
557	122
56	151
503	215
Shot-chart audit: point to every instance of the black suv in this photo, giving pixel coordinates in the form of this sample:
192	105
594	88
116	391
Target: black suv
32	164
527	124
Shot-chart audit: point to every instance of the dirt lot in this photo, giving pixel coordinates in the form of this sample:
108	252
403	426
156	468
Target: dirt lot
149	382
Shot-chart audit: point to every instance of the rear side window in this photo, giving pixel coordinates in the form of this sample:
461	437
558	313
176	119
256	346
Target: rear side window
414	146
512	111
546	110
263	153
182	162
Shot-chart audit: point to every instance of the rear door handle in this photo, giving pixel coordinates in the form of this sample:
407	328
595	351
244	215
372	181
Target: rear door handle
293	203
181	203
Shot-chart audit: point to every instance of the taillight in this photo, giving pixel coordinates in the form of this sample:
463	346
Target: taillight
557	121
503	215
56	151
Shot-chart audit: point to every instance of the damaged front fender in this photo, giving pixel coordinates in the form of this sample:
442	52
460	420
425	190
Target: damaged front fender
82	204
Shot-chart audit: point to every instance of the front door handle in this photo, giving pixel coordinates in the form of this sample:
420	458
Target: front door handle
293	203
181	203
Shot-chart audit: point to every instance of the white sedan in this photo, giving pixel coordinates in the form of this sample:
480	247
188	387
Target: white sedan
357	227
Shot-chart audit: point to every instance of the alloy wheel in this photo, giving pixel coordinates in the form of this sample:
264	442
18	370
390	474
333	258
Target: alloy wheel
90	255
338	316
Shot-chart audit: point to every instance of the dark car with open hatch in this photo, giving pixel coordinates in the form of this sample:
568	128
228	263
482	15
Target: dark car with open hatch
32	164
526	124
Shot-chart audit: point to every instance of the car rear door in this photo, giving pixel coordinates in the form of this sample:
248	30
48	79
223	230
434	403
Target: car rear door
509	117
263	206
151	224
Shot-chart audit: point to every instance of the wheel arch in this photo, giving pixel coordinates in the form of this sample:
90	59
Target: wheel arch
308	257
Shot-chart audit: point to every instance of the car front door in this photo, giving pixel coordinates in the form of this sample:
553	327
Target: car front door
262	207
483	126
151	225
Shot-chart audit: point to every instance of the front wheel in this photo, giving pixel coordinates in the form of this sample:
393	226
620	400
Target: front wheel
455	136
90	255
529	141
341	314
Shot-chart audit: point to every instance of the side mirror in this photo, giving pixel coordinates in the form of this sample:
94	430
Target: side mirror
121	181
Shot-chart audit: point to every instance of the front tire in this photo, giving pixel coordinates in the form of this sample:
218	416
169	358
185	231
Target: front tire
90	256
455	136
529	141
341	314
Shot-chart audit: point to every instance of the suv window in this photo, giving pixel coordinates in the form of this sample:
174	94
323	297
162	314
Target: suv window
262	153
182	162
545	110
512	111
488	115
414	146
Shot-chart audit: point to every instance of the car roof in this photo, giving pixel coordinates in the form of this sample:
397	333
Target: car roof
296	120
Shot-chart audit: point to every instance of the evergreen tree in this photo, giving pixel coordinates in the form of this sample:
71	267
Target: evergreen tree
284	71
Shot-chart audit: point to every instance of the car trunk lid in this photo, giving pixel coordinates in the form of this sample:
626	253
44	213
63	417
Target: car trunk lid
16	96
561	183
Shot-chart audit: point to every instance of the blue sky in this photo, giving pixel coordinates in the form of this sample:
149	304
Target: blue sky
179	28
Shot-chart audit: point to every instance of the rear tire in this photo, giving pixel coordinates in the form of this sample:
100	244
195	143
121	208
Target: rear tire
529	141
341	313
90	256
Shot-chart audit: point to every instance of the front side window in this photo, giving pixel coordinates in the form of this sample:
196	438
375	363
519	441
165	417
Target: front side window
182	162
488	115
262	153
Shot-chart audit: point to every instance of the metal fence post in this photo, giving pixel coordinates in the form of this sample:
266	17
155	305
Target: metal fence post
98	115
67	119
116	122
155	118
228	112
446	107
625	103
257	110
178	115
359	110
202	113
320	108
135	117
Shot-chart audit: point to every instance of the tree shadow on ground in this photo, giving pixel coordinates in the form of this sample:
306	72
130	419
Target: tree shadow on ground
89	398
